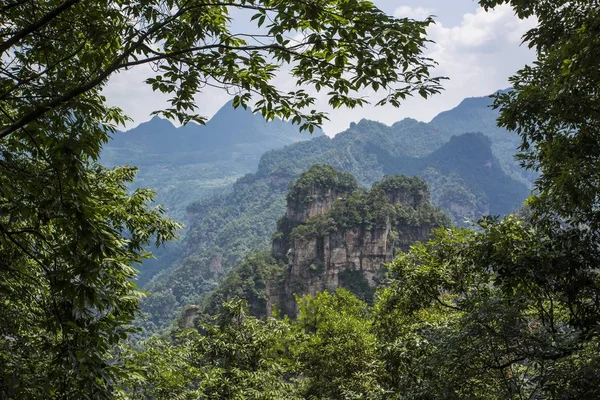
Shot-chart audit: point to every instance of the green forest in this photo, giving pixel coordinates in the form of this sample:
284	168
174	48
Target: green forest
455	259
465	176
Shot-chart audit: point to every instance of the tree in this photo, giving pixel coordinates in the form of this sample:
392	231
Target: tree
161	368
69	241
58	55
512	310
231	355
335	348
555	106
70	232
506	312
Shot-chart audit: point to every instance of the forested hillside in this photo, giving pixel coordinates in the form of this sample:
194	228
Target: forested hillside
465	177
474	115
187	163
192	162
504	308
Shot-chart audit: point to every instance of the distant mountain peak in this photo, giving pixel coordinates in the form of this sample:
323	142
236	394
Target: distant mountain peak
231	132
155	122
228	109
504	91
369	122
407	121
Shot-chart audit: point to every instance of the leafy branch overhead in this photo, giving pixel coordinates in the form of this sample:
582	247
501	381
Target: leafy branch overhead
59	55
71	231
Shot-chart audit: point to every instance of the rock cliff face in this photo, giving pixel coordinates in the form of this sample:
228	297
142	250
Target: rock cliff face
310	196
341	236
298	213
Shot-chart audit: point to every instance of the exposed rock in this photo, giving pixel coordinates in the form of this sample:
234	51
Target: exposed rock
298	212
321	201
348	256
188	317
215	266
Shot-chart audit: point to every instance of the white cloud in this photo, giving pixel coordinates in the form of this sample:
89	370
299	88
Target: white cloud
128	91
482	51
481	31
417	13
137	99
478	54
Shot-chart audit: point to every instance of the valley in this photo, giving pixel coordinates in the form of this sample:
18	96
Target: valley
469	174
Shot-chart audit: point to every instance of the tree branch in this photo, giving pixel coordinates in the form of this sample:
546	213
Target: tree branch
115	65
38	75
8	6
37	25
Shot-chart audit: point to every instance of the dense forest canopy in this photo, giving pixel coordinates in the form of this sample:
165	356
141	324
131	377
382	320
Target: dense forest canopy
510	310
70	232
507	311
463	175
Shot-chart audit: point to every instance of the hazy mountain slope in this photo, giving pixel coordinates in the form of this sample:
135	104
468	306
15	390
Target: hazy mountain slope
461	174
229	226
413	138
229	132
193	162
354	150
476	114
465	177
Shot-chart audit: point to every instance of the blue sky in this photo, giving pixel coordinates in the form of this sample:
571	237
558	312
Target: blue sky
477	50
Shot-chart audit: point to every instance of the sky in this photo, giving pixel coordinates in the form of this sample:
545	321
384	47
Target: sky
478	51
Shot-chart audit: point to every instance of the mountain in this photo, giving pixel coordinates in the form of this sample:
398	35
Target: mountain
229	134
188	163
337	235
465	176
333	234
476	114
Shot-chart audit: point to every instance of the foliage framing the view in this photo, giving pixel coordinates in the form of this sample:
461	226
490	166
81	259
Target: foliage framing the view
509	311
57	55
69	230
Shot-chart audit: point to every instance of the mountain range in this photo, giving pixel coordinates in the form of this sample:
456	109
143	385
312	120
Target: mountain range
466	160
188	163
